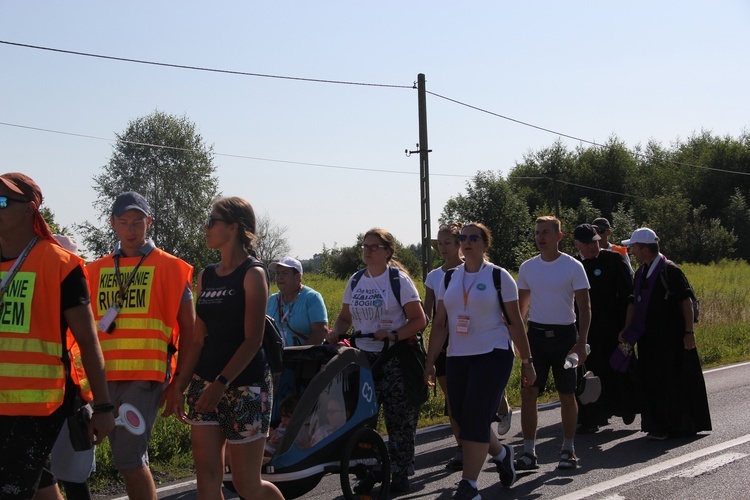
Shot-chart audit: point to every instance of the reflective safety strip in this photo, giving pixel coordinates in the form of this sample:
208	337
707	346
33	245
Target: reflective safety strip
80	377
113	365
134	345
26	396
31	371
31	345
143	324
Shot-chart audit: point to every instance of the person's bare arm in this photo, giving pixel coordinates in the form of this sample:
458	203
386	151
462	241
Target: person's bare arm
80	320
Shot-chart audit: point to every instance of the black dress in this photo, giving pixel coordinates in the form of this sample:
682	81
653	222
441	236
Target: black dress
672	385
611	285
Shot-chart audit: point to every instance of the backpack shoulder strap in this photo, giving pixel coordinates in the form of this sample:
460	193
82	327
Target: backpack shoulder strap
395	283
357	276
497	278
448	276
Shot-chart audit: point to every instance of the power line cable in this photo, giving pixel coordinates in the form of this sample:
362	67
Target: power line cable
634	153
577	185
229	155
199	68
342	82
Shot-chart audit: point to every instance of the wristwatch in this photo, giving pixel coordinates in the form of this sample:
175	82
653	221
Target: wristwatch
222	379
528	361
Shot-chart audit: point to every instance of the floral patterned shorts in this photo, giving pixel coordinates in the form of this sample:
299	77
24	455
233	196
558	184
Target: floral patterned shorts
244	412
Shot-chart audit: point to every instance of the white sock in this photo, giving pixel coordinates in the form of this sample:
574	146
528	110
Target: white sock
472	482
529	446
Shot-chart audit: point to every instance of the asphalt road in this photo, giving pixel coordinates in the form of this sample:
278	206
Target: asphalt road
618	462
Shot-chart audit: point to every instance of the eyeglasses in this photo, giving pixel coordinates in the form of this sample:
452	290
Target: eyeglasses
599	230
471	237
372	248
5	199
211	220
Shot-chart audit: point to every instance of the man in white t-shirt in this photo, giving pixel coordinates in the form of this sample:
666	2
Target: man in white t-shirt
550	285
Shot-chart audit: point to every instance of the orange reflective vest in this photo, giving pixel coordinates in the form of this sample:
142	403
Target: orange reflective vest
32	375
77	372
138	347
621	250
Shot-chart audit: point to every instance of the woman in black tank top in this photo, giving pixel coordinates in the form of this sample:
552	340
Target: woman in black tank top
229	396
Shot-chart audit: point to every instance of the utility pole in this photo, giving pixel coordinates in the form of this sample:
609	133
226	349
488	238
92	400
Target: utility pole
424	175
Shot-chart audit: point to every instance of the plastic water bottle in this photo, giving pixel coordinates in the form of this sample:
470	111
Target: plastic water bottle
571	360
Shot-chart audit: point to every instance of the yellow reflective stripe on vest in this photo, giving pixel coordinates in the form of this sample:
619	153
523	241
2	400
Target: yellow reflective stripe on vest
31	371
144	324
26	396
136	365
134	345
31	345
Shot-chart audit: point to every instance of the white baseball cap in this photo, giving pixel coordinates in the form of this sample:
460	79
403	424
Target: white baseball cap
287	262
642	235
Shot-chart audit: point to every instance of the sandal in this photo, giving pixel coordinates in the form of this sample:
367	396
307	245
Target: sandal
568	460
525	461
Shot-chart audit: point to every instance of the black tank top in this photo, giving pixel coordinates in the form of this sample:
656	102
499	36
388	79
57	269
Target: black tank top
221	306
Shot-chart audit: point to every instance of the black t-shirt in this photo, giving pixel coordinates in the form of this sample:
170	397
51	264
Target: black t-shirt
221	306
74	291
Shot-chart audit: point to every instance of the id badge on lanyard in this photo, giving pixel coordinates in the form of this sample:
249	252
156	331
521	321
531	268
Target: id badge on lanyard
462	324
107	323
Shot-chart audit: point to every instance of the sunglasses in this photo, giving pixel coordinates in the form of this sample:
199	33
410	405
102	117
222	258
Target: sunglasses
5	199
471	237
212	220
372	248
600	230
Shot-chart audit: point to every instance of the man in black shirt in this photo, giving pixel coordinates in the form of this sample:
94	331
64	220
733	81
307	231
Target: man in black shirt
611	284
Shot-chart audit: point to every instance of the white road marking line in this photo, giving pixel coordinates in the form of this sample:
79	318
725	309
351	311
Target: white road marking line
166	488
707	466
654	469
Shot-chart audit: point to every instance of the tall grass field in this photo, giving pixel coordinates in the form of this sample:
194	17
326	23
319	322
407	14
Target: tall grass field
723	334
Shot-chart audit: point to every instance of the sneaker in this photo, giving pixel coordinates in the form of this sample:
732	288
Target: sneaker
657	436
568	460
457	462
400	484
505	467
526	461
503	423
466	491
365	485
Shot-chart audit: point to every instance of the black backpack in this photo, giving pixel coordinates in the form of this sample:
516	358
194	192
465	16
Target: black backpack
665	282
496	279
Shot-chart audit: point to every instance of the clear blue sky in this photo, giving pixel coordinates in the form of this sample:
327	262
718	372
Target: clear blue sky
642	70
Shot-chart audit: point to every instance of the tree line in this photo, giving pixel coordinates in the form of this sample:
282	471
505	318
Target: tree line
694	194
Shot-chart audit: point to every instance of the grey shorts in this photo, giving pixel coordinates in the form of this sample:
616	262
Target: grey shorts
129	451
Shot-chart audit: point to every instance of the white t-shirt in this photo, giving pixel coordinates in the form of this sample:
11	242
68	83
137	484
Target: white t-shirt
487	329
434	278
553	285
373	306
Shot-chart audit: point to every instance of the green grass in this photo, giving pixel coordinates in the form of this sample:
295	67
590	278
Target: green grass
723	335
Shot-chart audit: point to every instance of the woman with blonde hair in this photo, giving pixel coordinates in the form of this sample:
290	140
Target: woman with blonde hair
370	306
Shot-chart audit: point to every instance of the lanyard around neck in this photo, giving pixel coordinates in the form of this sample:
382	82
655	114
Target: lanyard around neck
5	284
465	290
382	291
118	279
